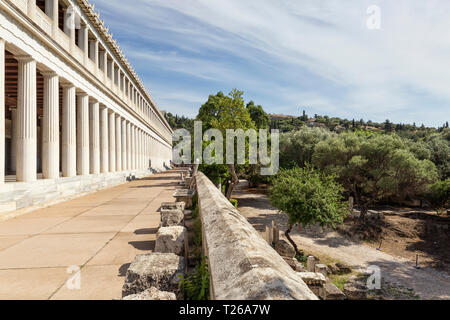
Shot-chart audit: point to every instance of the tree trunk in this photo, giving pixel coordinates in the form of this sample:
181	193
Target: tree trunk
288	236
234	180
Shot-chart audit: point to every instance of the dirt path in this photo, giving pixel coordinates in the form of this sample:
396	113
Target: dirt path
427	283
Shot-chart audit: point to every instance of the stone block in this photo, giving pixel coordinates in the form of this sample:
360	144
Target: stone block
172	206
355	291
172	218
311	264
330	292
171	240
321	268
185	196
312	278
152	294
294	264
284	249
159	270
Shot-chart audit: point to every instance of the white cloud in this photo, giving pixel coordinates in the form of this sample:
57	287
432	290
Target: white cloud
375	74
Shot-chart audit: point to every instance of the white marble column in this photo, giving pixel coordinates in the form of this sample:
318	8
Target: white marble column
124	145
133	147
83	140
69	132
138	149
26	129
129	165
143	150
104	140
13	138
144	155
112	141
94	137
2	111
50	128
141	162
118	143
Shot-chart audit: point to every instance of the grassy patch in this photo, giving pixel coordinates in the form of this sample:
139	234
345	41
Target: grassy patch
340	280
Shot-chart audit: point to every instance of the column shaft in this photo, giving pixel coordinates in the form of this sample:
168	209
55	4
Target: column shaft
118	144
124	145
13	139
133	148
112	141
69	133
104	140
83	157
94	137
26	129
50	128
129	166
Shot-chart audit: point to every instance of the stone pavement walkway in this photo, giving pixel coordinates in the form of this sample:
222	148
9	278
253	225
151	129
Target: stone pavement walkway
100	233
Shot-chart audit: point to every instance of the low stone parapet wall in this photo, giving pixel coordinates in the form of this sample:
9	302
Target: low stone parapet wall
242	265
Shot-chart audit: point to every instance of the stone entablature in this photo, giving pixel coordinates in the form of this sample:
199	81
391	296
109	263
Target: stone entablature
241	263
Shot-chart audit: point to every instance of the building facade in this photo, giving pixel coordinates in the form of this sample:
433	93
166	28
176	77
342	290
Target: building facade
74	116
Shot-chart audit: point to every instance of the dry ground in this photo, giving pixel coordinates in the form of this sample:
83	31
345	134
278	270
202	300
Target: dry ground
394	258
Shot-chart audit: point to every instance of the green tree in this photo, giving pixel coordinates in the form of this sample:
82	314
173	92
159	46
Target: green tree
227	112
374	167
308	196
439	196
258	115
304	117
297	147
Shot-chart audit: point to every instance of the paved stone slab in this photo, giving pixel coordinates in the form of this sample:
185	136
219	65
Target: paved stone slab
31	284
101	233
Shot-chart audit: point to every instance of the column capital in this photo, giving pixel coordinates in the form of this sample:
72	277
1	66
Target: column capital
24	58
49	74
66	85
82	94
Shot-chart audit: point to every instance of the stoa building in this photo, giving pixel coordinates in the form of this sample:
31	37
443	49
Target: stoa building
74	115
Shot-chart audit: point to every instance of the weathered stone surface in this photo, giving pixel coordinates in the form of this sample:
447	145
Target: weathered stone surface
172	206
339	268
311	264
330	292
284	249
312	278
185	196
171	240
172	218
242	265
343	269
321	268
294	264
355	291
159	270
333	269
152	294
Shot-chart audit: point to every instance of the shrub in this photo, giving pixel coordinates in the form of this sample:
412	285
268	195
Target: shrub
234	202
196	285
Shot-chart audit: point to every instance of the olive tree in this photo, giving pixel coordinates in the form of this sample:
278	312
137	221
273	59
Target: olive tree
308	196
374	167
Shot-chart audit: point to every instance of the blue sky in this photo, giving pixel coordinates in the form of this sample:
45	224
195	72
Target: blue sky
291	55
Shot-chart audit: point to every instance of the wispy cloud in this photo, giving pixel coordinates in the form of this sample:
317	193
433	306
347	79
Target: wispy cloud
287	54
